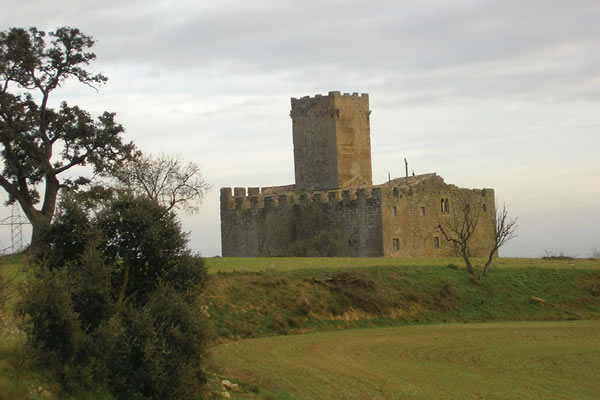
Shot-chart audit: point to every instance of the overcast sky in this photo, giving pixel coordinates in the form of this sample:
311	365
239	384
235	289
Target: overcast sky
501	94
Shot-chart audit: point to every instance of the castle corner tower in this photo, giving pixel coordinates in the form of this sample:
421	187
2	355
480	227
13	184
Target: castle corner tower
332	141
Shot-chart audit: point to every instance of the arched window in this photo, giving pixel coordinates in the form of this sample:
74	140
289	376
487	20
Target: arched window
445	206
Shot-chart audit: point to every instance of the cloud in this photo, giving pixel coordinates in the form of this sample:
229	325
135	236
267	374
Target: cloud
486	93
412	51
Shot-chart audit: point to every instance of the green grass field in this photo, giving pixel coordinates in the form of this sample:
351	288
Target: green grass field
257	264
524	360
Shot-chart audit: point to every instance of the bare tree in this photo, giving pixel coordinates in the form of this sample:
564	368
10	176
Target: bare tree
505	231
165	179
458	229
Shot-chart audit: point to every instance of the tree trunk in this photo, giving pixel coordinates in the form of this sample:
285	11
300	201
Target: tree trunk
467	261
39	226
489	261
40	220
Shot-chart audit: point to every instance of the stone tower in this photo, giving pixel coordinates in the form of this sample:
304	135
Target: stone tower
332	141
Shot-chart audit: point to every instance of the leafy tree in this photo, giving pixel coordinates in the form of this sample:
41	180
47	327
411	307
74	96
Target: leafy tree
39	144
144	243
165	179
70	233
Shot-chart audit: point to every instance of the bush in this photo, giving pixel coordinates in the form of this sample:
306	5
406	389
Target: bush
66	239
48	302
160	351
113	302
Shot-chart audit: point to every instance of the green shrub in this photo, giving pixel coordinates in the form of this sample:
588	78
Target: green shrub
55	325
68	236
160	351
113	302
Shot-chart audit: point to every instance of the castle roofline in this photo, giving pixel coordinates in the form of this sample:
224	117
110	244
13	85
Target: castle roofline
397	182
410	180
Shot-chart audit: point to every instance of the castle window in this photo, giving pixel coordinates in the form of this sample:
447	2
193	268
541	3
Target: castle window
445	206
422	211
436	242
394	210
484	208
395	244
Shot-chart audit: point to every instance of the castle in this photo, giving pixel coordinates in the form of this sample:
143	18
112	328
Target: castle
334	209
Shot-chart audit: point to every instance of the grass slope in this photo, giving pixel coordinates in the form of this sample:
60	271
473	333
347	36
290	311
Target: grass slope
512	360
273	302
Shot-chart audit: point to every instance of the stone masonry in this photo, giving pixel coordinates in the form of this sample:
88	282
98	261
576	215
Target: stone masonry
334	209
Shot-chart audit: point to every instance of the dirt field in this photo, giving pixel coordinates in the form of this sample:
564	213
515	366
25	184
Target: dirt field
513	360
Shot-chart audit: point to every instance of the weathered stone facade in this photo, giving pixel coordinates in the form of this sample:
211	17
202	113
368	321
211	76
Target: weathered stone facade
332	141
334	210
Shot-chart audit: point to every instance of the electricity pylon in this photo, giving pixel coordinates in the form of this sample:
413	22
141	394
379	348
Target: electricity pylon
16	222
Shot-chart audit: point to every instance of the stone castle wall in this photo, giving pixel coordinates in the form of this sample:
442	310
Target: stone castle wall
362	222
335	223
411	213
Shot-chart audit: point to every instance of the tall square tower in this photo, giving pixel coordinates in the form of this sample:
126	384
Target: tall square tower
332	141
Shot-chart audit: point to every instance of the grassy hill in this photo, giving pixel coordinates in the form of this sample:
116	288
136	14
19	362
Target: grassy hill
284	296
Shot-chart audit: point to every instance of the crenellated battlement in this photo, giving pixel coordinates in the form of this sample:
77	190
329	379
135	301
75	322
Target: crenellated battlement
332	95
258	198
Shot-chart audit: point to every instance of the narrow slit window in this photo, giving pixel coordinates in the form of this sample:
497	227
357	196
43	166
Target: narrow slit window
422	211
436	242
484	208
394	210
396	244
